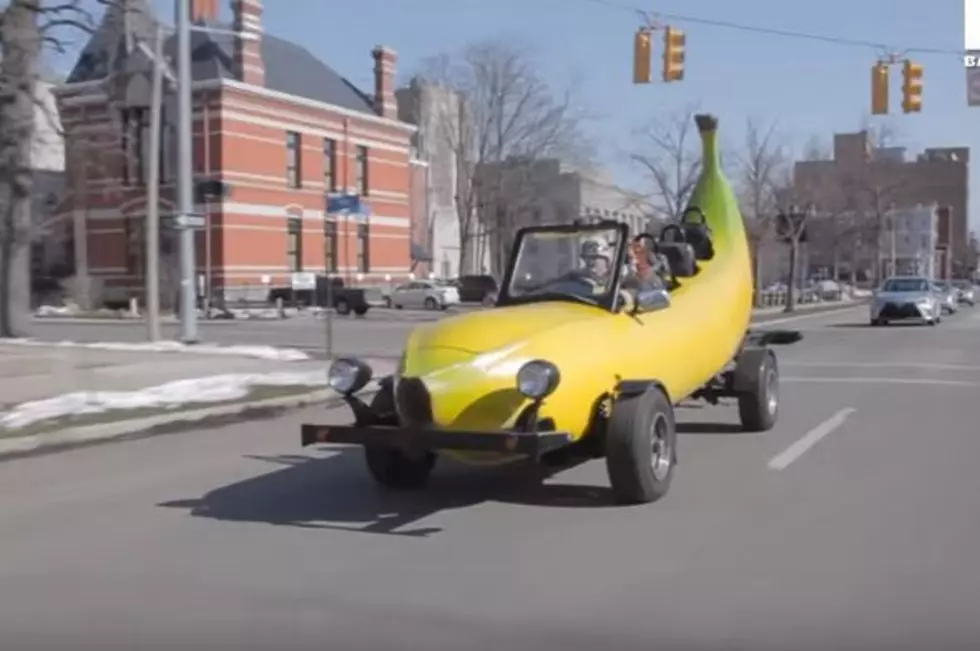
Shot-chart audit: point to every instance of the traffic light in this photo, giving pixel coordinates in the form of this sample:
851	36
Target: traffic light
674	40
879	89
911	87
642	57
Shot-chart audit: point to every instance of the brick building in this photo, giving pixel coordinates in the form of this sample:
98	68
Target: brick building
279	128
861	182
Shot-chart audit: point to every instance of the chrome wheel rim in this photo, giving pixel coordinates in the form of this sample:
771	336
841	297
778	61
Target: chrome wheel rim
662	456
772	392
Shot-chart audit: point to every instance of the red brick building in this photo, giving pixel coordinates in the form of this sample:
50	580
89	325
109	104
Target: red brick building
278	127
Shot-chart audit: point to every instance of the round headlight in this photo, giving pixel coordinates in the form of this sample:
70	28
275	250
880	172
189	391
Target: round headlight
537	379
347	376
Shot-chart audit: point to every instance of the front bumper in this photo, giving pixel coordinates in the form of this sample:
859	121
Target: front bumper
532	444
897	311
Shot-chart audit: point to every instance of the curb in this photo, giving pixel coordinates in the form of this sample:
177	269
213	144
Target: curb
805	313
22	446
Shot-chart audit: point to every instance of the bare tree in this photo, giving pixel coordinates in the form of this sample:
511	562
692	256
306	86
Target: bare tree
870	191
27	27
794	206
508	118
760	163
670	157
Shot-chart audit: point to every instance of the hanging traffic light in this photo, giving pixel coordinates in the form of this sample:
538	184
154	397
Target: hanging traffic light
642	57
879	89
911	87
674	40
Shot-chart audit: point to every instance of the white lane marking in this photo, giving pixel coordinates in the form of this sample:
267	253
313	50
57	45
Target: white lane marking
812	315
881	380
920	365
811	438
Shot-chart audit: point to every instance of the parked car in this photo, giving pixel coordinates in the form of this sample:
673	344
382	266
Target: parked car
477	289
966	293
428	294
907	297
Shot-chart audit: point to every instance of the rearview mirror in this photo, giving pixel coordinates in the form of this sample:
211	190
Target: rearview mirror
651	300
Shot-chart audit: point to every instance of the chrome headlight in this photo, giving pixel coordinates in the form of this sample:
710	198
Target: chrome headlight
537	379
348	375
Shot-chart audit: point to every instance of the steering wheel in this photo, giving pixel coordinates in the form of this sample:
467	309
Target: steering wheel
697	211
673	228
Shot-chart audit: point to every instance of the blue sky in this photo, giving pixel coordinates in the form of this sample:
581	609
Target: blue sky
808	87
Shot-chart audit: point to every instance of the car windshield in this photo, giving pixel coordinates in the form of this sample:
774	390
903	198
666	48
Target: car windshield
906	285
577	263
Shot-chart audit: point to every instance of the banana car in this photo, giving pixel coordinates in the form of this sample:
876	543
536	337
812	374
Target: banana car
595	337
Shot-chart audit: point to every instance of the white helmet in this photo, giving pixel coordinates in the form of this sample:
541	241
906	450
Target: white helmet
595	248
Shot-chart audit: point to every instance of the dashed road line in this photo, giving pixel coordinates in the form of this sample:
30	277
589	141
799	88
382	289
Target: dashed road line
782	460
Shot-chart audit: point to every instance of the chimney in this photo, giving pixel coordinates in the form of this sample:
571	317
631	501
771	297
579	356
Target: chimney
385	103
204	11
248	41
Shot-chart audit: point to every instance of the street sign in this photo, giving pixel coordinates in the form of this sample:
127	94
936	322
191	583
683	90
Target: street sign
181	222
349	204
303	281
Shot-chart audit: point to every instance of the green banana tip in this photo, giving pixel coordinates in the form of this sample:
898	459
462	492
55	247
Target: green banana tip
706	123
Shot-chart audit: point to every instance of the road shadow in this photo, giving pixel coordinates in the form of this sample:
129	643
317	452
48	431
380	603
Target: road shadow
710	428
336	492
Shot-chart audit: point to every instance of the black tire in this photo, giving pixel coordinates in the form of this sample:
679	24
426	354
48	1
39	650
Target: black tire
360	311
758	405
388	302
343	307
392	468
431	304
877	322
640	471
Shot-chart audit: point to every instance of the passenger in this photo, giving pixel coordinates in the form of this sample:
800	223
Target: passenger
647	270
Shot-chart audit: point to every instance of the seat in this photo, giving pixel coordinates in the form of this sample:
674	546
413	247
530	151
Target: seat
681	257
697	234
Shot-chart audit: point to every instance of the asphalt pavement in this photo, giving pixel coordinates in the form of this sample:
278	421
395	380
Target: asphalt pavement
852	525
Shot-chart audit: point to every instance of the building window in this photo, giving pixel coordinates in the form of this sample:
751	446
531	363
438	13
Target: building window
294	246
293	159
135	245
363	248
329	165
362	171
135	145
330	246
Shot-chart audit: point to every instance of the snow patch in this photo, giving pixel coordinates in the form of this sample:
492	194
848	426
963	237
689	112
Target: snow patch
261	352
211	389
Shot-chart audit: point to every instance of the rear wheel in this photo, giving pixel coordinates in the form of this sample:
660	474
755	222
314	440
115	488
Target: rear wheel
394	468
641	447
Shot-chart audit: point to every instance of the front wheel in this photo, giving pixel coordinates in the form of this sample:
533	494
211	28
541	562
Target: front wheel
393	468
431	304
641	447
758	403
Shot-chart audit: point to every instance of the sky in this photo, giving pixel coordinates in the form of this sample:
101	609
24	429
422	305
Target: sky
807	87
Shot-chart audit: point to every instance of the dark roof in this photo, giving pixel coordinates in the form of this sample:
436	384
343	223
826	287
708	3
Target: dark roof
289	68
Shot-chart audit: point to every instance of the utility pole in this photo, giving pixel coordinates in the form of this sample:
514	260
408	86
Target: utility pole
153	195
185	178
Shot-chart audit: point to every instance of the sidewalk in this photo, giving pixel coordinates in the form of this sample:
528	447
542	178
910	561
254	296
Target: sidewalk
55	395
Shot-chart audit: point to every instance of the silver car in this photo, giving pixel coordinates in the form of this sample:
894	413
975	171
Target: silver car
906	297
966	293
948	296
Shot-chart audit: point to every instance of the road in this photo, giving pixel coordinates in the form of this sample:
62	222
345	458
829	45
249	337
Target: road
852	525
381	334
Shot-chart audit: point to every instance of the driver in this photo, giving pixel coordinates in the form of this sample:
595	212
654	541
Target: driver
596	261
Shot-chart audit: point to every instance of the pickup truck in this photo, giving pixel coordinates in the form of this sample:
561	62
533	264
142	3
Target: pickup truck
329	292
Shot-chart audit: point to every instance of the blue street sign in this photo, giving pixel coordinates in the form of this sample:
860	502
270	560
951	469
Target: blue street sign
348	203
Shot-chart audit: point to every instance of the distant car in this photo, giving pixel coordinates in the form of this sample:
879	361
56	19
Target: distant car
948	295
477	289
966	292
428	294
906	297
